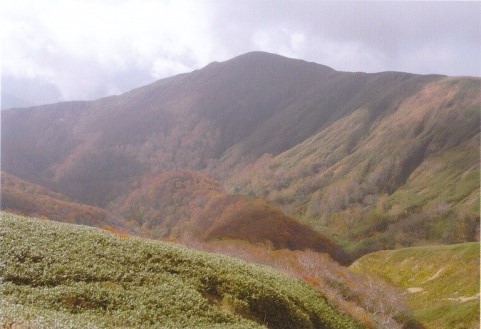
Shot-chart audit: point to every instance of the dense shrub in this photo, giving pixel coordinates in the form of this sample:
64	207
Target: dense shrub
85	275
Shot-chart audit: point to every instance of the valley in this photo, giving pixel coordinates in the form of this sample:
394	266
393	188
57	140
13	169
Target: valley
441	282
276	161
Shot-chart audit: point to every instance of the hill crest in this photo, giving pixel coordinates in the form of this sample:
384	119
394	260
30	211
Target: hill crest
183	205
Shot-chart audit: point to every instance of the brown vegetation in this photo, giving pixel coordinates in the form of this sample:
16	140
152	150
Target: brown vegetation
375	303
345	152
183	204
29	199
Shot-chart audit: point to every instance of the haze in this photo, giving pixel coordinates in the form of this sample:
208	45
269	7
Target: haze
66	50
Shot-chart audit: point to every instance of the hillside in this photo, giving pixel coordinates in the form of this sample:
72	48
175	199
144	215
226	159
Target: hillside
410	175
67	276
375	161
191	206
215	119
442	282
30	199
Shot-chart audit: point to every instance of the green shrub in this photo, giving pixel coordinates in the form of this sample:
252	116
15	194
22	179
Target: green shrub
60	273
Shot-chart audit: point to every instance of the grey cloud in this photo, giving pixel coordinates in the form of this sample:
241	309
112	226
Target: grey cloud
417	37
33	92
391	31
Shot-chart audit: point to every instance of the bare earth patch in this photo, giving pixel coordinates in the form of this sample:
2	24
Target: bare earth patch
413	290
463	299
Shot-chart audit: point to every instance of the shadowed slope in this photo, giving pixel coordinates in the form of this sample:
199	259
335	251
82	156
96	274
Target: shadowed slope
232	111
34	200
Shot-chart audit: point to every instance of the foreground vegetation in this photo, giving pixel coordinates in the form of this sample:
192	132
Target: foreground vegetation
442	282
373	302
57	275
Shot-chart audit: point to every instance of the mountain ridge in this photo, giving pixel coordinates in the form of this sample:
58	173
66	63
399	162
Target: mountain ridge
267	126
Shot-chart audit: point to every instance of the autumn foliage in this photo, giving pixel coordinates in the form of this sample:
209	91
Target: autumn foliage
31	199
373	302
189	205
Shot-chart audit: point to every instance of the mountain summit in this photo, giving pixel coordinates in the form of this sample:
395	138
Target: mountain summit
369	156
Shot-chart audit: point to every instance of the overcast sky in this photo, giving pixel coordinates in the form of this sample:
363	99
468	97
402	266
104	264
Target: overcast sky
64	49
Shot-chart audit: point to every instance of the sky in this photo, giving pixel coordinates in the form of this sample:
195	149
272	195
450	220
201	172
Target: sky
56	50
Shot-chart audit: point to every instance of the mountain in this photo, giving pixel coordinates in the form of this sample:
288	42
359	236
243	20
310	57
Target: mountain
187	121
376	161
253	104
442	282
63	275
407	176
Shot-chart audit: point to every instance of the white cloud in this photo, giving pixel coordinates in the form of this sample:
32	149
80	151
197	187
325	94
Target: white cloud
88	48
280	40
162	68
81	45
298	42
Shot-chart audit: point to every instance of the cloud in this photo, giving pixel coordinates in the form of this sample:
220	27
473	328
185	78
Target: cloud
384	34
279	40
33	92
162	67
91	48
81	46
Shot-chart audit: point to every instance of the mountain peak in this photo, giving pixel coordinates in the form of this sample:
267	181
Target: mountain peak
257	54
321	144
265	58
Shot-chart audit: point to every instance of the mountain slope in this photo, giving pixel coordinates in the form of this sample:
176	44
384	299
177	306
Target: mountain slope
442	282
235	111
348	153
34	200
64	275
371	181
188	205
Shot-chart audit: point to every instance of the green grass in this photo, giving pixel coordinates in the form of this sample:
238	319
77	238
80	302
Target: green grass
57	275
442	282
447	178
416	165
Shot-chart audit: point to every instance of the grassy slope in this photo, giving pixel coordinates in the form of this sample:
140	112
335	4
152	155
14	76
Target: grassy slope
61	275
443	280
345	177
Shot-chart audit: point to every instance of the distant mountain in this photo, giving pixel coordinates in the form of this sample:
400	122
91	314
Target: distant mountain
23	92
367	158
213	119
